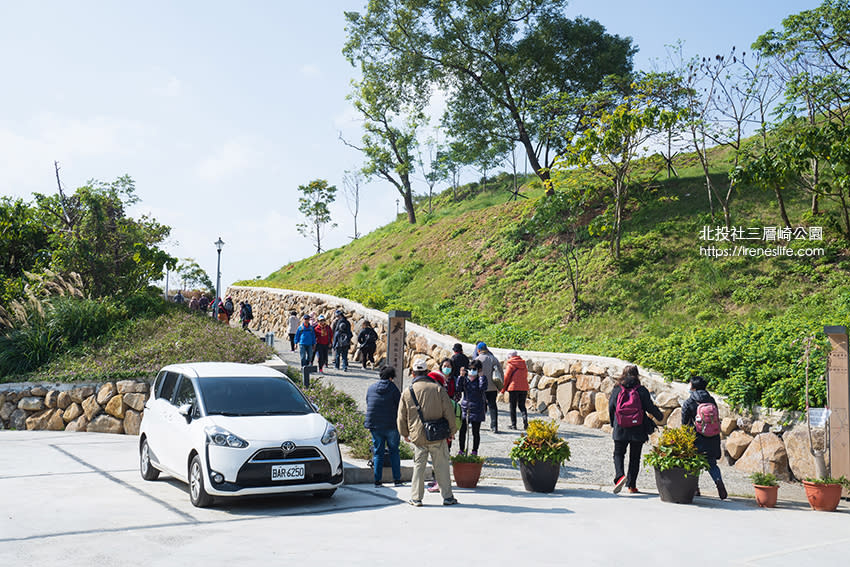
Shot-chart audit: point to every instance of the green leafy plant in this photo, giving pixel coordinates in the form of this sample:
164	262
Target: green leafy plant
464	458
677	449
763	479
540	442
842	480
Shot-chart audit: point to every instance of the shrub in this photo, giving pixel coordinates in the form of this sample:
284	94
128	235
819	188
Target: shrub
677	449
540	442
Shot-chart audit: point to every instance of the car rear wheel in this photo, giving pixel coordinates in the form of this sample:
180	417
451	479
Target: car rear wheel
149	472
197	494
324	493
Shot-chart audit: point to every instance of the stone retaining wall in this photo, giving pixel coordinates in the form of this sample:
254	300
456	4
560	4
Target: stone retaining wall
574	388
111	407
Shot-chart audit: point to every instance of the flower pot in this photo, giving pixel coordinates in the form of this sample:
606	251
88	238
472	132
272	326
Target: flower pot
676	486
823	497
766	495
467	474
539	477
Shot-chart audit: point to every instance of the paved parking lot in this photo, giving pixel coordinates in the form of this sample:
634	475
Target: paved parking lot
78	499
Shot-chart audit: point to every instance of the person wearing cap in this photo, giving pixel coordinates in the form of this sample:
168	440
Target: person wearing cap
305	338
341	340
324	336
516	385
434	403
382	400
490	367
293	323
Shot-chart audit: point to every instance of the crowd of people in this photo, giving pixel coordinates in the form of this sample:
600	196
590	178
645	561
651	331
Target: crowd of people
464	390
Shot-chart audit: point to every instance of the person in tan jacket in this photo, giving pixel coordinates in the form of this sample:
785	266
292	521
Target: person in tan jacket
516	385
435	403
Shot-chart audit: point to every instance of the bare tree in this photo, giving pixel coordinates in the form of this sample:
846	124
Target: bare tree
351	181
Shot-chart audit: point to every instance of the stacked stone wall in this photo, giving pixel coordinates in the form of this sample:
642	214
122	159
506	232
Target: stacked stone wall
573	388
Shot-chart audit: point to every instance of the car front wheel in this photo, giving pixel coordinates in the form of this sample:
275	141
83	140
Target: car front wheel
149	472
197	494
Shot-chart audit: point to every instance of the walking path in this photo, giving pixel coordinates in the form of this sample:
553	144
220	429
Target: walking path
590	465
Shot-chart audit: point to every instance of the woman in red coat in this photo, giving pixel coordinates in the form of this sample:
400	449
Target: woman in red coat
516	385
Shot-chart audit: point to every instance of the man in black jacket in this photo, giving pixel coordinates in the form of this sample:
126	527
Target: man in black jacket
631	437
708	446
382	399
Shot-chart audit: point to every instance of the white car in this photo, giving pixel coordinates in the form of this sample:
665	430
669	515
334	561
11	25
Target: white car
232	429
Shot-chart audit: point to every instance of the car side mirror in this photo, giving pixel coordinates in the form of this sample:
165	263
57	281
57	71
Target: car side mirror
186	411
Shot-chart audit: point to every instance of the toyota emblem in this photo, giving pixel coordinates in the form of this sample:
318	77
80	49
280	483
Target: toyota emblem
287	447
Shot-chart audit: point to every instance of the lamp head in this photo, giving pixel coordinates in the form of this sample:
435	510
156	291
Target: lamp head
219	244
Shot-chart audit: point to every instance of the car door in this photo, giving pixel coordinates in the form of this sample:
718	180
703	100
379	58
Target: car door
155	416
167	412
180	427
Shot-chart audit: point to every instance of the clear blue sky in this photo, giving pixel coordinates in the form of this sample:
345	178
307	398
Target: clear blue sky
220	110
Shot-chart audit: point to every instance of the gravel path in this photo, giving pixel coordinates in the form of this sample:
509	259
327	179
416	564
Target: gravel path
591	461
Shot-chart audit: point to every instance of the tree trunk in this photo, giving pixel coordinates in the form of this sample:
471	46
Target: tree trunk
782	211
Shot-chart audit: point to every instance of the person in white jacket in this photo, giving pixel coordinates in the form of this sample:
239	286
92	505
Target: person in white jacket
293	321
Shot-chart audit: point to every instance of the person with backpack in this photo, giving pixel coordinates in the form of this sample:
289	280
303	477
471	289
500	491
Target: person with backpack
228	308
472	386
368	341
490	367
324	336
341	340
627	408
700	412
203	303
246	314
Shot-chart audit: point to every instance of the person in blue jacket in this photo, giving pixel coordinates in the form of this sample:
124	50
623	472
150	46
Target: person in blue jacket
382	399
472	385
305	338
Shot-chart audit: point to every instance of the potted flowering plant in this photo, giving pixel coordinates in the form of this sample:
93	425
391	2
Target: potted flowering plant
766	489
677	464
540	453
824	494
467	469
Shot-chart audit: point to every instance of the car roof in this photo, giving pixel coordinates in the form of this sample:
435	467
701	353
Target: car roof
203	370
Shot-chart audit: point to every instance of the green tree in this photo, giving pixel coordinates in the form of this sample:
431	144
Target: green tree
192	276
318	195
92	235
24	245
499	54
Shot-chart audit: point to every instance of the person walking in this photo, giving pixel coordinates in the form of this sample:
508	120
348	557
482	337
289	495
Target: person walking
324	336
341	340
368	341
433	403
203	303
305	338
627	408
228	308
246	314
516	385
458	360
179	299
490	367
193	303
700	412
382	400
472	386
293	328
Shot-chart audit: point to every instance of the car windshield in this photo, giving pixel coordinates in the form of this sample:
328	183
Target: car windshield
252	396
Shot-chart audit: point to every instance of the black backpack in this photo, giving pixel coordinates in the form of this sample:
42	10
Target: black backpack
343	332
249	313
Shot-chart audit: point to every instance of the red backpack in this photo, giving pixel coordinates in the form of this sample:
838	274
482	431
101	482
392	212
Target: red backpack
629	410
707	420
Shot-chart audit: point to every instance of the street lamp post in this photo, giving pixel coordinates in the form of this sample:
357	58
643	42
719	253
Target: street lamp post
219	244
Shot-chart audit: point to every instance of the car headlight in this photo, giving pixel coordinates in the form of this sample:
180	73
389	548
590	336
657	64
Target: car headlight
223	438
330	435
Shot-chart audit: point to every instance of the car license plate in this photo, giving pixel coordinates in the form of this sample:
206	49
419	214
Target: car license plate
287	472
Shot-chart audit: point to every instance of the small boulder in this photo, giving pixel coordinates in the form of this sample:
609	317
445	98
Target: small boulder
131	387
105	393
555	412
55	422
668	400
554	368
38	421
565	394
72	412
576	367
31	403
800	458
105	424
586	405
675	418
728	425
607	428
90	407
6	411
81	393
588	382
135	401
132	421
51	399
115	406
759	427
39	391
745	422
596	369
737	443
593	420
607	385
574	417
63	400
80	424
601	403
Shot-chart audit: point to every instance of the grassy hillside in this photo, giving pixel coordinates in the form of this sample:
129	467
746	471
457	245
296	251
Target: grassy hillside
473	268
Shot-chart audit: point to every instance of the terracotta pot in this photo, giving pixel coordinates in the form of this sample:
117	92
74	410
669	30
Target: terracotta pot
467	474
676	486
539	477
766	495
823	497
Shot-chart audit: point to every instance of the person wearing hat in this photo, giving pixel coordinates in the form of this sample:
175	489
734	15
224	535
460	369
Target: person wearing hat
324	336
305	338
490	367
293	323
434	404
341	340
516	385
